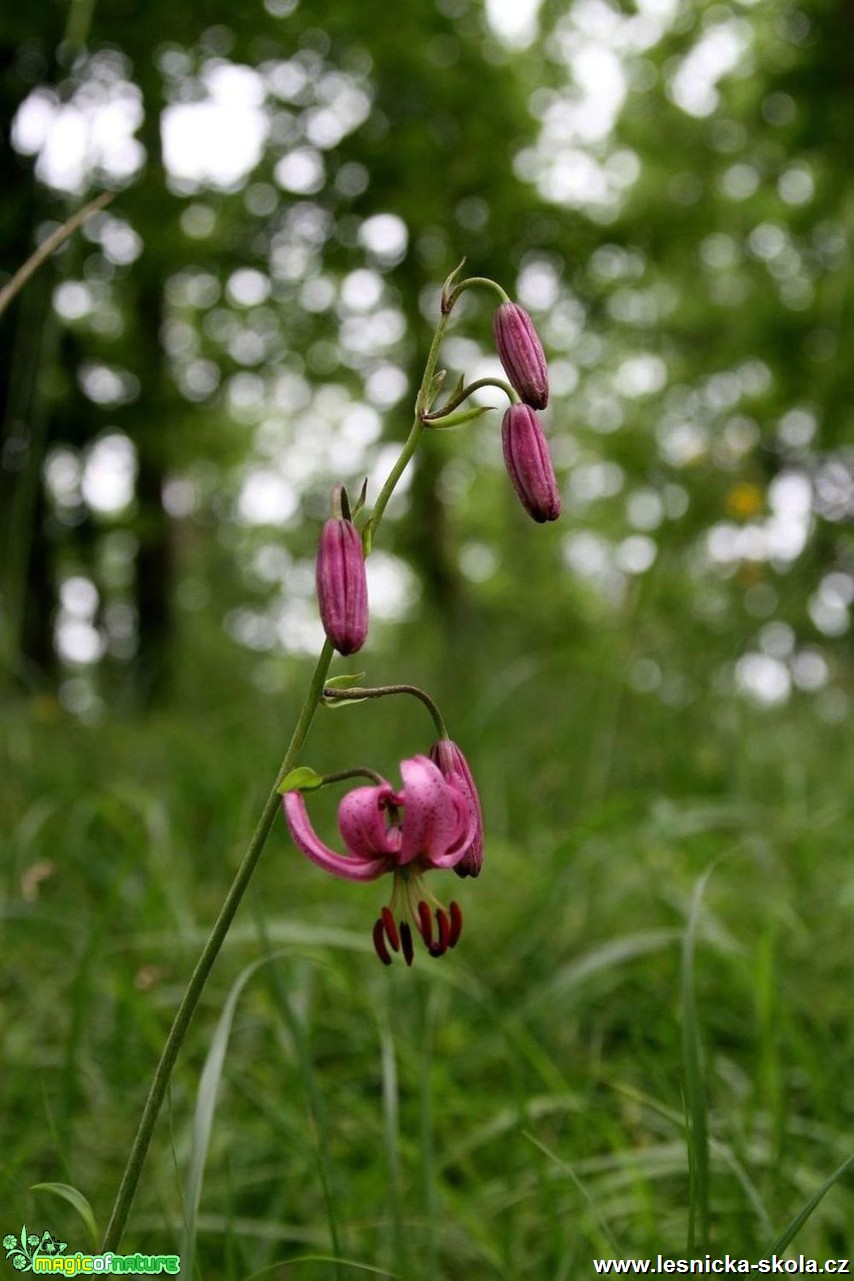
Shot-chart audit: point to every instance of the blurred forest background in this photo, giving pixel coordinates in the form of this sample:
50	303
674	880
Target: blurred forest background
658	682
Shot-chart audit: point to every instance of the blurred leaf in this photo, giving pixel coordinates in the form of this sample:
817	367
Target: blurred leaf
76	1199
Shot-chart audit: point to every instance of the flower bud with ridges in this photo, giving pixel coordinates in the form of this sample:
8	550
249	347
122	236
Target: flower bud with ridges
342	586
529	463
521	354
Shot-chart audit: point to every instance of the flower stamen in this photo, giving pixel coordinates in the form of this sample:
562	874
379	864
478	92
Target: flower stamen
425	923
456	924
390	926
379	942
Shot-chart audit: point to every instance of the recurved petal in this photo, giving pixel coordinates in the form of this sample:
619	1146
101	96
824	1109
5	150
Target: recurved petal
306	839
456	770
435	816
362	820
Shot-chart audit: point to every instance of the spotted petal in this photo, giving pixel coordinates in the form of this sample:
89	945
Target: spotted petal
436	824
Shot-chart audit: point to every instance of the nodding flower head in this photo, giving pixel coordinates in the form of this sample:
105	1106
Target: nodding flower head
428	824
521	354
455	769
529	463
342	586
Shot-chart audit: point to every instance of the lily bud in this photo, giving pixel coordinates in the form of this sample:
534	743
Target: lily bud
529	463
342	586
521	354
455	769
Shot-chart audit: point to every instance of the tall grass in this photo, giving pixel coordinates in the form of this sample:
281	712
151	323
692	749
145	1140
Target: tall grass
510	1111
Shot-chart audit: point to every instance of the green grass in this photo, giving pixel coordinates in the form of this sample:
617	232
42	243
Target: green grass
642	1044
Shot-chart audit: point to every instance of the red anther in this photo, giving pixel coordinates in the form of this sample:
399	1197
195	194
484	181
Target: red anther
390	926
379	943
425	923
406	942
444	928
456	924
436	949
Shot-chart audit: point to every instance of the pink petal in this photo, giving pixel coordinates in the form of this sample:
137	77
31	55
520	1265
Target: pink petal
306	839
362	820
435	816
456	770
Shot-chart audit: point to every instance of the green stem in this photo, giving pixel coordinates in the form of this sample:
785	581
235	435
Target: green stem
211	950
187	1008
421	406
47	247
383	691
466	392
475	280
360	771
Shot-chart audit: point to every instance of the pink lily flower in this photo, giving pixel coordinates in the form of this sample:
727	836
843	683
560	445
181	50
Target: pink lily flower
428	824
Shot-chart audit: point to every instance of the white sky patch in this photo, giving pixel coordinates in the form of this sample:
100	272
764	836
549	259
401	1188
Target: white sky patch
571	163
266	499
513	21
109	476
73	140
781	537
718	52
217	142
763	679
392	586
385	237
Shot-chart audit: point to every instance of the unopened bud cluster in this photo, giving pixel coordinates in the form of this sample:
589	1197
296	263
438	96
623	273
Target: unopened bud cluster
526	451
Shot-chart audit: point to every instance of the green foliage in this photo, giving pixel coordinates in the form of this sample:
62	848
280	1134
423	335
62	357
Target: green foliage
657	685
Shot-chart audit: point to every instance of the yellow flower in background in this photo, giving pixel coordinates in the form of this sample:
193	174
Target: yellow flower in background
745	500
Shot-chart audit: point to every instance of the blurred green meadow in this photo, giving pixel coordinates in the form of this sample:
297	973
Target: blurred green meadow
642	1044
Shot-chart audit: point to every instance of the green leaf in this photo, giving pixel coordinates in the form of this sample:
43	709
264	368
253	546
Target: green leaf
360	501
333	704
461	417
345	503
345	681
206	1106
794	1226
75	1199
301	779
436	384
447	287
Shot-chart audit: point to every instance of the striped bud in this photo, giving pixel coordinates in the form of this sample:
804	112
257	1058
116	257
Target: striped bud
529	463
521	354
342	586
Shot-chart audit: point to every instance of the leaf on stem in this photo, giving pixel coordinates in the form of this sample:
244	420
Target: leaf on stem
301	779
461	417
360	501
448	287
345	681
